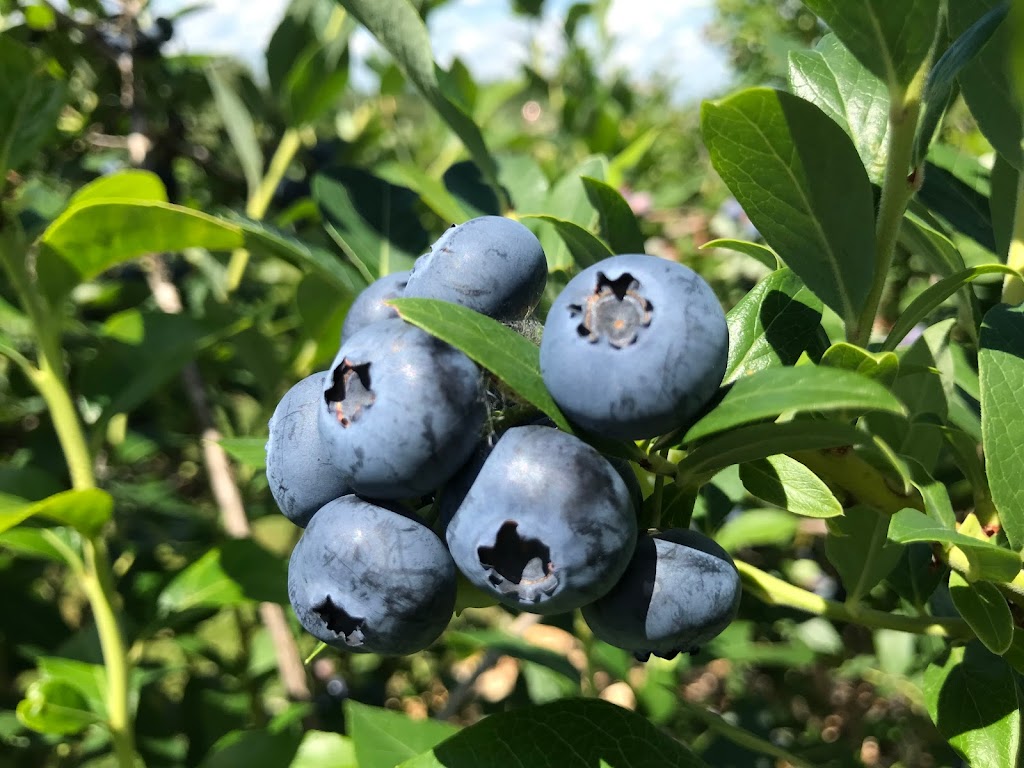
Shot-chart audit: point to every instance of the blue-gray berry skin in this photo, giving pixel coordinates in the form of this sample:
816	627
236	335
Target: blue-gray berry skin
371	305
400	410
301	475
493	265
634	346
364	578
680	590
547	525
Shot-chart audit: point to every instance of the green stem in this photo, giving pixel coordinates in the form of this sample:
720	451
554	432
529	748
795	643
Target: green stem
857	477
65	422
897	189
774	591
1013	288
259	200
719	725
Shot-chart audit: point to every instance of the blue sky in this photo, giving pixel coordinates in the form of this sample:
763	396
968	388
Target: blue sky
651	36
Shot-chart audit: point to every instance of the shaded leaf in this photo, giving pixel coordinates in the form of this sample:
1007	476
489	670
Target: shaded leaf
786	483
31	99
585	248
984	608
240	128
858	546
618	223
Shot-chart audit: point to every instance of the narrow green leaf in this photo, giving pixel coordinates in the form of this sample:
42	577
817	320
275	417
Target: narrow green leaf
986	83
761	253
758	528
984	608
240	128
86	510
988	561
585	248
98	234
571	733
770	393
430	190
502	351
567	200
799	178
882	367
1001	371
345	277
787	483
399	28
831	77
1002	204
249	451
961	204
891	39
941	80
619	226
860	549
31	99
773	325
383	738
974	699
761	440
935	295
315	82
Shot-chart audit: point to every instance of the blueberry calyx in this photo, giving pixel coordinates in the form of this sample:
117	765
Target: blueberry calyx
615	311
351	393
340	622
518	565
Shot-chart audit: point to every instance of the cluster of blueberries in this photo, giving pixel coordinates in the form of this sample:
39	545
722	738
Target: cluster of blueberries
633	347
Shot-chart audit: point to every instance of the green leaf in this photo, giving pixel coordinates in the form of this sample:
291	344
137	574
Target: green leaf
758	528
432	191
891	39
934	296
325	749
1001	371
761	440
880	366
129	184
831	77
53	706
36	542
974	700
858	546
255	747
240	128
799	178
248	451
502	351
773	325
30	102
987	561
374	221
786	483
986	84
399	28
585	248
316	82
86	511
572	733
98	234
567	200
619	226
202	584
383	738
769	393
961	204
984	608
89	680
761	253
260	237
941	80
1002	204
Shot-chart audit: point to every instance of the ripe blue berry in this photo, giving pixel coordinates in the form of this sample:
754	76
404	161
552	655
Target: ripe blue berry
634	346
301	474
491	264
400	410
370	305
680	590
547	525
367	579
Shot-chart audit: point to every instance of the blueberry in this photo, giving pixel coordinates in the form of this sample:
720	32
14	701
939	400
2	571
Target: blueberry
680	590
370	305
547	525
368	579
301	475
490	264
400	410
634	347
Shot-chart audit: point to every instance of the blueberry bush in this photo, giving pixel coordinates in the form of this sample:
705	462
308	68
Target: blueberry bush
542	421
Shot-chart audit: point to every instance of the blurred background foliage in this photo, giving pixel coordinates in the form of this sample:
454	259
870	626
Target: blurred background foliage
207	670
